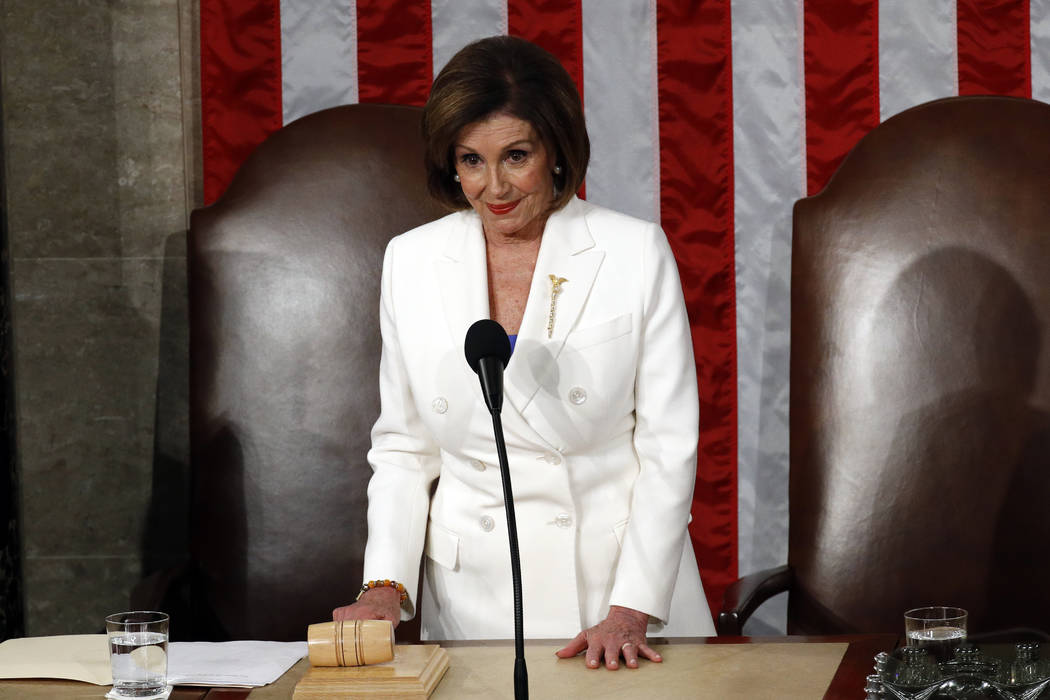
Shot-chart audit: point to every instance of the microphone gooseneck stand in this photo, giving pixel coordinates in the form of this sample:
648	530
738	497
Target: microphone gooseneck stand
487	350
521	674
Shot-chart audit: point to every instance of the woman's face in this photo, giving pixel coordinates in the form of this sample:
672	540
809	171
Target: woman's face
506	175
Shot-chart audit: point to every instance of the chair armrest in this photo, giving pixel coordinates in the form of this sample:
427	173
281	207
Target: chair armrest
1012	635
745	595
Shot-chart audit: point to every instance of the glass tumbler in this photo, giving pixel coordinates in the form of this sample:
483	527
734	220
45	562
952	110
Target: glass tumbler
138	653
938	629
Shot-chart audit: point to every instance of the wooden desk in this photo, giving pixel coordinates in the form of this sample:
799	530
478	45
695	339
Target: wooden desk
848	682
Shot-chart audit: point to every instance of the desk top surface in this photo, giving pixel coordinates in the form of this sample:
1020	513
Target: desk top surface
775	667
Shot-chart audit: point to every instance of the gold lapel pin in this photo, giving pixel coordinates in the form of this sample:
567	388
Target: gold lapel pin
556	283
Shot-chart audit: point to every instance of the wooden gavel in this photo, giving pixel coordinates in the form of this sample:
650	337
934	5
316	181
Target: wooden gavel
350	642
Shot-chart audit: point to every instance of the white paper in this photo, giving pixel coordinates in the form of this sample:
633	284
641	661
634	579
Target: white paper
75	657
245	664
85	657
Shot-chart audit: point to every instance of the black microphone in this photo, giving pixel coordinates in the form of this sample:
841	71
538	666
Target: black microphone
487	348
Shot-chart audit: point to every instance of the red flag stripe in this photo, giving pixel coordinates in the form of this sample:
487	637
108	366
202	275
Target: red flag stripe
841	63
556	25
240	84
994	49
394	55
695	87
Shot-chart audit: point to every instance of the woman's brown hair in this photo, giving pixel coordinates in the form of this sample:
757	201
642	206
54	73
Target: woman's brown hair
508	75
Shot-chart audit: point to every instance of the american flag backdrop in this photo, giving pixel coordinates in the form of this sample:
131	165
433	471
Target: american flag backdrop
710	116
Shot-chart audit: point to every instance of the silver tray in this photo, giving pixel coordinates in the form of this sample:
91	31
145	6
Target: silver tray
973	673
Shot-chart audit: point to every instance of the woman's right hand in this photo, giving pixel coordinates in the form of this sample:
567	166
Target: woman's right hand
382	603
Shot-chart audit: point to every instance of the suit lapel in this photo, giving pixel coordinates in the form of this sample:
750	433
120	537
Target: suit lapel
462	273
568	252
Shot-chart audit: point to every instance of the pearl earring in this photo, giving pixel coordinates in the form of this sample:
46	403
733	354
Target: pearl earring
456	177
557	170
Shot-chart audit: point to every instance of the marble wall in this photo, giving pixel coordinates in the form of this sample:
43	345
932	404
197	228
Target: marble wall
11	617
99	127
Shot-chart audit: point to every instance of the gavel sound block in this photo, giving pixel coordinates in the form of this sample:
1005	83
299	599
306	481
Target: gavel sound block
358	659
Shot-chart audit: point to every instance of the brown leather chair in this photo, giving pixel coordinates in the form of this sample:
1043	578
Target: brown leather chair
284	275
920	378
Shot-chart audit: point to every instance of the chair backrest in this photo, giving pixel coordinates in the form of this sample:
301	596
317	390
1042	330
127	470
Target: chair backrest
920	374
284	363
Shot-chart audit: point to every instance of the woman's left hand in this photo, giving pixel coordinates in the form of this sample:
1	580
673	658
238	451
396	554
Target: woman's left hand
621	632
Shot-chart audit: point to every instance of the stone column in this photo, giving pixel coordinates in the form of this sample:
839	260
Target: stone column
97	211
11	617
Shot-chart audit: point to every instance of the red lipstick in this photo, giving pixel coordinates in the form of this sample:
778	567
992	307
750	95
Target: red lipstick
501	209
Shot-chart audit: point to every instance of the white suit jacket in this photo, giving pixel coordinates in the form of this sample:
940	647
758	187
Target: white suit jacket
601	424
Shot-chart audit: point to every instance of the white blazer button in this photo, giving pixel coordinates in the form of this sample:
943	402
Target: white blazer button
577	395
487	523
552	458
563	520
440	405
477	464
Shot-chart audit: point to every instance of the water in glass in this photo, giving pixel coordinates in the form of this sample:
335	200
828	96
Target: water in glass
138	653
940	642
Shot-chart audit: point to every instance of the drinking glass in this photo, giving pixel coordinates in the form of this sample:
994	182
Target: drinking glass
938	629
138	653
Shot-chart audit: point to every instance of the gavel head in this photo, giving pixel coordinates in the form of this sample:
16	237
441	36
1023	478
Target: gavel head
350	642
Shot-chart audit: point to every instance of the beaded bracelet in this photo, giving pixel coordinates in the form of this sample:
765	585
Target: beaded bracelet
385	583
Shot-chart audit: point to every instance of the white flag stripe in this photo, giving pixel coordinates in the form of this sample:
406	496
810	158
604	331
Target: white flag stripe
769	175
619	98
1039	11
918	53
318	55
654	107
456	23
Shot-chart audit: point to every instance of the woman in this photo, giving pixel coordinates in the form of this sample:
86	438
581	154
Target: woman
600	409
